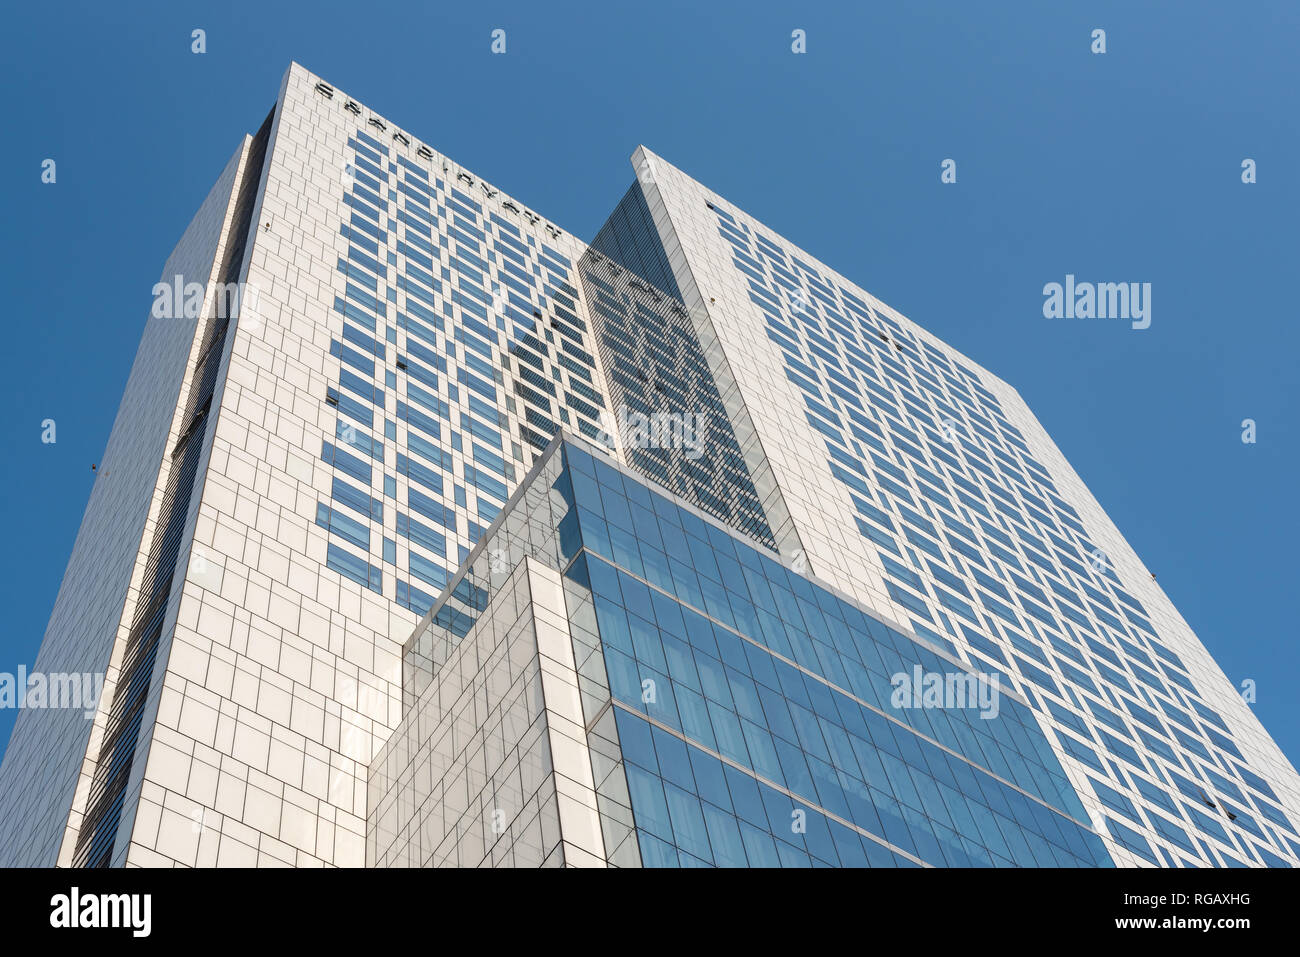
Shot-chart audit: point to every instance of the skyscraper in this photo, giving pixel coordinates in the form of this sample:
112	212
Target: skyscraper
434	535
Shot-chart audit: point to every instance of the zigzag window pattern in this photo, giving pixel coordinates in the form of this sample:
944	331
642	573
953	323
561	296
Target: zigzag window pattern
461	343
652	354
976	542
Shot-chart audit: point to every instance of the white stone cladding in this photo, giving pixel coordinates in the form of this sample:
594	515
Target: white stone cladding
491	766
278	679
821	510
284	676
46	773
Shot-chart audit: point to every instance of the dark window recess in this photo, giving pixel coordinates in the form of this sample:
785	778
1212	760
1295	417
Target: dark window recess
97	833
324	89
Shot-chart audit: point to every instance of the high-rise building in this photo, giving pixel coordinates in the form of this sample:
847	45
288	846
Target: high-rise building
428	534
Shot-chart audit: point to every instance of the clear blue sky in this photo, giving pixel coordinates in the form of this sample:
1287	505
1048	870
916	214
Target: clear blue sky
1122	167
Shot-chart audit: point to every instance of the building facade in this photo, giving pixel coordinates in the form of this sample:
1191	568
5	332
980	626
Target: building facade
616	678
462	541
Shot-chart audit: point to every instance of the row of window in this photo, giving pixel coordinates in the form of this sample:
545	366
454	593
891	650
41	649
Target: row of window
859	395
443	316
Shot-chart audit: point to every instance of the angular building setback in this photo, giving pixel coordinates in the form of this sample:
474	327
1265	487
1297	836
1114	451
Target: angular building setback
463	542
617	678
